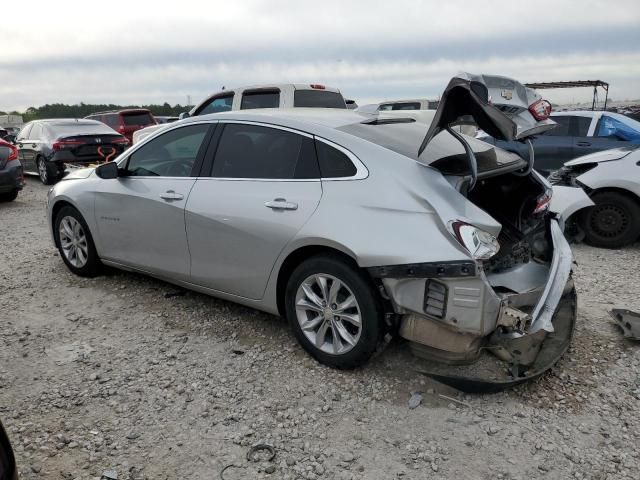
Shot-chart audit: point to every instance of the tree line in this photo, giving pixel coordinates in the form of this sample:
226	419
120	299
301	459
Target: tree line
61	110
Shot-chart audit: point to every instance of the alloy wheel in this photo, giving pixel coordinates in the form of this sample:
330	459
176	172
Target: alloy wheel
328	313
73	241
42	170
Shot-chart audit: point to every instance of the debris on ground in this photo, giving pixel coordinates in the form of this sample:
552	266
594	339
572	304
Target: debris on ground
415	400
627	320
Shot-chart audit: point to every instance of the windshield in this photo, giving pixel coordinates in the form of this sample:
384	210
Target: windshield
443	152
318	99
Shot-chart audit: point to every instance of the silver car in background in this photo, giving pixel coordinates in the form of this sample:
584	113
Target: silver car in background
351	226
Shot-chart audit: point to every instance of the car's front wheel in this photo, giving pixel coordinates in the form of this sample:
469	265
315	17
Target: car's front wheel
613	222
75	243
334	311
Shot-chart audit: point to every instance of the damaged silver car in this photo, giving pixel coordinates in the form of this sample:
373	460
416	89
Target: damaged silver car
351	226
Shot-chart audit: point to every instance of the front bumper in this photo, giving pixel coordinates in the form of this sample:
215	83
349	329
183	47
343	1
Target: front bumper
526	346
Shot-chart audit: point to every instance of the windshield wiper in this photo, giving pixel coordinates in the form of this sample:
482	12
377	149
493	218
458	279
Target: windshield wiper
388	121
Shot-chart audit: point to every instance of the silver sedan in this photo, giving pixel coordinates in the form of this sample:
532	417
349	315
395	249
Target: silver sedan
339	222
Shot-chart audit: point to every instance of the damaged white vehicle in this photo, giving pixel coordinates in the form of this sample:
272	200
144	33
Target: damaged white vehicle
351	226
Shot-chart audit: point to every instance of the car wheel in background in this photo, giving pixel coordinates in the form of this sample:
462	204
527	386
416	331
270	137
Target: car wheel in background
9	196
334	311
613	222
47	171
75	243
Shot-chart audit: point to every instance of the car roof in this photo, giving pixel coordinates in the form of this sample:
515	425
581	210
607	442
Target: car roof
576	113
326	117
79	121
123	111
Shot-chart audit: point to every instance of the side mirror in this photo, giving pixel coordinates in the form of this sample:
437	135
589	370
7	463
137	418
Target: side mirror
107	170
184	115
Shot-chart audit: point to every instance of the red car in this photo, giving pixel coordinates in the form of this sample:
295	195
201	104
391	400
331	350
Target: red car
125	122
11	173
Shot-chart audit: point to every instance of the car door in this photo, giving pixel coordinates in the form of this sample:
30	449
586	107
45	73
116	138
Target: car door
607	133
555	146
31	146
263	187
140	214
23	135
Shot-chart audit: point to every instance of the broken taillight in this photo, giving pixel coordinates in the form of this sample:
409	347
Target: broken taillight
543	202
540	110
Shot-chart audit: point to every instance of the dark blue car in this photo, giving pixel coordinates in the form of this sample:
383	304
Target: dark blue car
578	133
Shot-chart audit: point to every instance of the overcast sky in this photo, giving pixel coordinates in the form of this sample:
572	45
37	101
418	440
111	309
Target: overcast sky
129	52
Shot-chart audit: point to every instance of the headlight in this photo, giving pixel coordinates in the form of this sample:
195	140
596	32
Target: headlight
481	245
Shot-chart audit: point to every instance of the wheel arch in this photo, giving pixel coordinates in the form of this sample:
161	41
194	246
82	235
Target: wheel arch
296	257
618	190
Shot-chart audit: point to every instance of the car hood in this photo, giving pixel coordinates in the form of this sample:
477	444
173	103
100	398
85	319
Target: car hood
603	156
79	173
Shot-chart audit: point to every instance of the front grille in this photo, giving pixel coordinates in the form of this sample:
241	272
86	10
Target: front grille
435	299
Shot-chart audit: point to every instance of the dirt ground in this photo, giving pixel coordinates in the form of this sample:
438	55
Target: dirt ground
128	377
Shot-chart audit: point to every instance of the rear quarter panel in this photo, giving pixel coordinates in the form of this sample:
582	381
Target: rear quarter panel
623	174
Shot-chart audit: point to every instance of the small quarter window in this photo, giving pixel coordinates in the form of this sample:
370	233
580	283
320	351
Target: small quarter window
333	162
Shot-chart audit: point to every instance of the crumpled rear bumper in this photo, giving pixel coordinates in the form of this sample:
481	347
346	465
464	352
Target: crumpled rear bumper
528	354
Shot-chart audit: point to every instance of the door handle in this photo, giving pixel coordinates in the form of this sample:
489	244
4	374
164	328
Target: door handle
583	144
281	204
170	195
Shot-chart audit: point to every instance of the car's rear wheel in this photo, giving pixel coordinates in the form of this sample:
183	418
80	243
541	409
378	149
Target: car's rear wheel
334	311
75	243
47	171
9	196
613	222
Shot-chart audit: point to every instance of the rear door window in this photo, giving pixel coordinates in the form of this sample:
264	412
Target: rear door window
318	99
581	126
260	99
170	155
36	132
252	151
562	128
216	105
333	162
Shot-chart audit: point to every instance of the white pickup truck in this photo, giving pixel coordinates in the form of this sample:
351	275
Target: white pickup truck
261	96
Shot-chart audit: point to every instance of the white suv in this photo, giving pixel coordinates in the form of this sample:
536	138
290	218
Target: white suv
261	96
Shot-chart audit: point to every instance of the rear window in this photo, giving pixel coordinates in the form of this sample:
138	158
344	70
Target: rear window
130	119
318	99
260	99
400	106
78	128
443	152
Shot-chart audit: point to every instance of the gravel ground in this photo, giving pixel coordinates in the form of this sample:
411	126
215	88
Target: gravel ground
116	377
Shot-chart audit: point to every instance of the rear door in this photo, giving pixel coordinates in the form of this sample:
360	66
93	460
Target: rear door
140	215
263	186
555	146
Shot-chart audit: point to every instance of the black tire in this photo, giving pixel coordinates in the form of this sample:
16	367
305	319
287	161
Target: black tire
93	266
48	172
613	222
9	196
369	304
